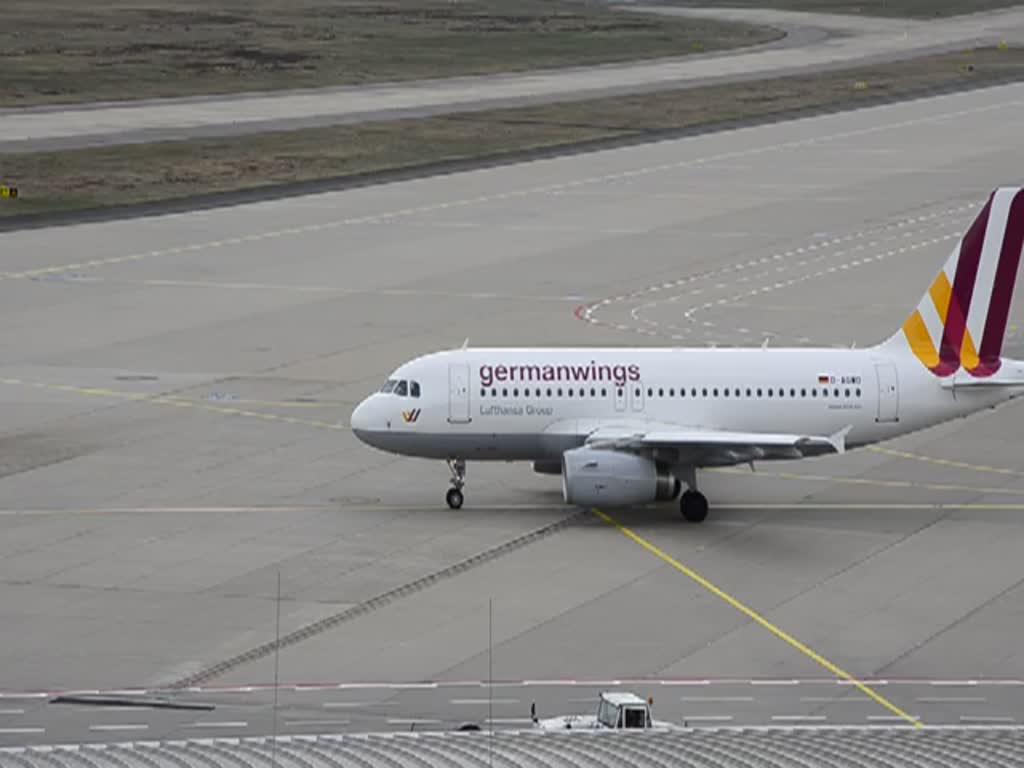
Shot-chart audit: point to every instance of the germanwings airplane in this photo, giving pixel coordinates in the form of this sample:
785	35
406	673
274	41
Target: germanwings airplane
629	426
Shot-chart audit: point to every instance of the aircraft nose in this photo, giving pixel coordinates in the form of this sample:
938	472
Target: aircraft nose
361	420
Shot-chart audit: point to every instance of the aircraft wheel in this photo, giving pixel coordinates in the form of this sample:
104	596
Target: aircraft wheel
454	498
694	506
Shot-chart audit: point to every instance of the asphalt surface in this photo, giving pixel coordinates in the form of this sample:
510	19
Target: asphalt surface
174	393
814	42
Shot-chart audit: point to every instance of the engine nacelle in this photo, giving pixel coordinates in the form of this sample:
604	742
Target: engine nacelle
547	467
605	478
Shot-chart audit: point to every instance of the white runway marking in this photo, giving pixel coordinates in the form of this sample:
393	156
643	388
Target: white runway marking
316	723
20	731
12	711
707	718
219	724
986	719
952	699
715	699
484	701
120	727
800	718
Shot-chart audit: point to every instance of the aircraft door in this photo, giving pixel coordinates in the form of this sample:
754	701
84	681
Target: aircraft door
636	395
458	393
620	397
888	393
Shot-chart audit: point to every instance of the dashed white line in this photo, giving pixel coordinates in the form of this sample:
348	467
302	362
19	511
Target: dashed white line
120	727
485	701
316	723
219	724
715	699
799	718
888	718
707	718
411	721
952	699
20	731
986	719
12	711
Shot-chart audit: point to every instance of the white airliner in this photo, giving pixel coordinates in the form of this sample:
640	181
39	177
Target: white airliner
629	426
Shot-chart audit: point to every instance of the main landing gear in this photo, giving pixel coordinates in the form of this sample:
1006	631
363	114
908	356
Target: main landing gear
454	496
693	504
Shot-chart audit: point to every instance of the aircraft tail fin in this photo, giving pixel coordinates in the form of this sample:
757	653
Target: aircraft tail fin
961	319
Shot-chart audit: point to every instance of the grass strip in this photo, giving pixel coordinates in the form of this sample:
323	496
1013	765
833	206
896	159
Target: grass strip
65	51
82	179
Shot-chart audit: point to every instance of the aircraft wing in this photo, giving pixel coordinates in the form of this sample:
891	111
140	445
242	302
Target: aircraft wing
712	447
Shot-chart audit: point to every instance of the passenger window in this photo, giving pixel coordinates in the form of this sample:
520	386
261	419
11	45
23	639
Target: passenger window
515	392
814	393
847	393
858	391
758	391
836	392
494	392
704	392
593	392
803	393
414	388
604	392
792	393
483	392
538	391
504	393
693	392
401	389
661	393
549	391
737	392
748	391
682	392
637	392
715	392
560	392
650	392
725	392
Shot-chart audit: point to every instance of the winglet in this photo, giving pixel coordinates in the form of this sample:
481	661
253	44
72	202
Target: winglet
838	440
465	344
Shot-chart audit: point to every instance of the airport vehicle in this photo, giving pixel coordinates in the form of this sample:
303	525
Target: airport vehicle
614	710
629	426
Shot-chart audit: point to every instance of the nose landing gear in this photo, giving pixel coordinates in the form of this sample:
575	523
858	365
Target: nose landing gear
454	496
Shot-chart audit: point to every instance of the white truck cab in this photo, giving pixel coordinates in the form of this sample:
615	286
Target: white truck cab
614	711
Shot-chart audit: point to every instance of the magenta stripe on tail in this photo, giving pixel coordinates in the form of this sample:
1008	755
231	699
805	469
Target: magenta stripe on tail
963	289
1002	290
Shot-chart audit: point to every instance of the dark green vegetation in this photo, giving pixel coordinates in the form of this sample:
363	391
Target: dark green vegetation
58	51
91	178
918	9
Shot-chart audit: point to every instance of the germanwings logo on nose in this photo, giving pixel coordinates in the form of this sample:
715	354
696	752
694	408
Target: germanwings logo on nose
410	417
962	318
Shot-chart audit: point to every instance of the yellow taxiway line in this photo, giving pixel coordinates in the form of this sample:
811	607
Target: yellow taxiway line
755	616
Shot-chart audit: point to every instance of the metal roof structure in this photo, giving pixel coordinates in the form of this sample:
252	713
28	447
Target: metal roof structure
700	748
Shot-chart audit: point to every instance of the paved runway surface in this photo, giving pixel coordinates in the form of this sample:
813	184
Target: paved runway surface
817	42
175	390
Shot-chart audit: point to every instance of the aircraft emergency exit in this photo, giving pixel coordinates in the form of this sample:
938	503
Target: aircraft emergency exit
629	426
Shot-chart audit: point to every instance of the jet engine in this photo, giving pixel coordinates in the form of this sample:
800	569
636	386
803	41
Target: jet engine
547	467
605	478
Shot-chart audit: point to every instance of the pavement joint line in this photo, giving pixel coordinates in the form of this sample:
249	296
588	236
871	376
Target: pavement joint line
318	627
804	477
757	618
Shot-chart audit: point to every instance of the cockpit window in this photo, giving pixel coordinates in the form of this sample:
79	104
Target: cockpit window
401	389
414	388
389	386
